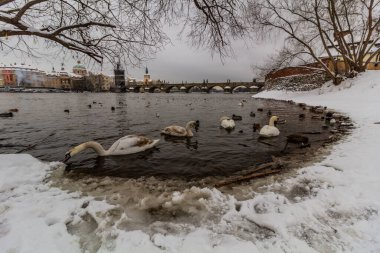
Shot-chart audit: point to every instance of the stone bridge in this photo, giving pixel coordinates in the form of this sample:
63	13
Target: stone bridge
204	87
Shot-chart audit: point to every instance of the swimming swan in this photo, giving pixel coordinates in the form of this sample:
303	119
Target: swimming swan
129	144
271	130
179	131
227	123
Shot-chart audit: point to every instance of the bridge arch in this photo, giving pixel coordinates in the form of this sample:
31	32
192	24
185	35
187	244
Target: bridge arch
190	88
135	89
240	87
168	89
153	89
216	87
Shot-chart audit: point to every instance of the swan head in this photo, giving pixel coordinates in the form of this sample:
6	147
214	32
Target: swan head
72	152
224	118
273	120
192	124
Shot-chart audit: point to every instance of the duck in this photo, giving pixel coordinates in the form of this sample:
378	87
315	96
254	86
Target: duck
269	113
13	110
227	123
6	114
112	108
317	109
252	114
260	109
256	126
157	115
179	131
270	130
301	140
301	116
67	110
126	145
236	117
89	106
241	104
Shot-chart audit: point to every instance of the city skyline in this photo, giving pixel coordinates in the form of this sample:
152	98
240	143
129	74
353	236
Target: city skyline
175	63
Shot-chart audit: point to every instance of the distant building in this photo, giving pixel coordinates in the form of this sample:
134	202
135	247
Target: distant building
1	79
119	78
80	69
107	82
22	76
52	80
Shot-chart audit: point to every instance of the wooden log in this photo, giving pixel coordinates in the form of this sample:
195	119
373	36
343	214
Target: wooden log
247	177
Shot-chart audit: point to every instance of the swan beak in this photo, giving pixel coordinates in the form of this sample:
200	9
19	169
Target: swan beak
67	157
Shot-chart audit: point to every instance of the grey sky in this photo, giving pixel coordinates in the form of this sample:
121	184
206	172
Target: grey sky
176	62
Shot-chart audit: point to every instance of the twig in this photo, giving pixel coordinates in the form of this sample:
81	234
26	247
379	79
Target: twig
34	145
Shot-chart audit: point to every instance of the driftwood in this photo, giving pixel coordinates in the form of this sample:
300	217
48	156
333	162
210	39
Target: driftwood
254	173
247	177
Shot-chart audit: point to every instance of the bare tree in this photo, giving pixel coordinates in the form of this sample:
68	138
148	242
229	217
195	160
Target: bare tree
114	29
342	31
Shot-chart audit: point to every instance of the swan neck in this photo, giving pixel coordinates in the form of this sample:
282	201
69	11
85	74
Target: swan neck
189	132
97	147
271	122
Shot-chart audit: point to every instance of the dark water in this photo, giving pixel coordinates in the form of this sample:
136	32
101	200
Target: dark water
41	121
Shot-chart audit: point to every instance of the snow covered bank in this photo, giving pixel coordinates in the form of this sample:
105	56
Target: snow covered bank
331	206
33	216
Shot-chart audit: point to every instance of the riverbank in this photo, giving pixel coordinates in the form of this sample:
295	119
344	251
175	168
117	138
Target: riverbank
329	206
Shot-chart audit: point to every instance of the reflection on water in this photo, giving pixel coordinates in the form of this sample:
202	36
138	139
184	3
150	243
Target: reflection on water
42	123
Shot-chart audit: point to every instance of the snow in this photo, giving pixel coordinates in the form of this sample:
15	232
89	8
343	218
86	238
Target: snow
32	214
330	206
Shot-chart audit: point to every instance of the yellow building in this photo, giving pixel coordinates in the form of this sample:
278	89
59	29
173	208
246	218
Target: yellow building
53	80
374	64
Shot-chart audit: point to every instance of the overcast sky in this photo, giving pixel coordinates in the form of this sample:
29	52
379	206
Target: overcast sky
178	62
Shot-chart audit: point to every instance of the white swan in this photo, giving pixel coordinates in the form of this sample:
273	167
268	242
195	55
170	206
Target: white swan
129	144
179	131
270	130
227	123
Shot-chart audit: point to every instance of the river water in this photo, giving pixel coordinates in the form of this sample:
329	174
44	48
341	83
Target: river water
42	122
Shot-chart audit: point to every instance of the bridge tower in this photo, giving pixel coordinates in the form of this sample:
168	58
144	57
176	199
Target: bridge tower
119	78
146	77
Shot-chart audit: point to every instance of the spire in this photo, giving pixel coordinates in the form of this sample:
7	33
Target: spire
146	70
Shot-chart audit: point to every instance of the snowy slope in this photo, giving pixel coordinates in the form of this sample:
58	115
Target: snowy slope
331	206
